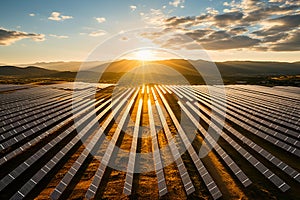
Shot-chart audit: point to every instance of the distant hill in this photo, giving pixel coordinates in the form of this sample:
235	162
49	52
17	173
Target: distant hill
229	68
72	66
161	71
29	71
251	68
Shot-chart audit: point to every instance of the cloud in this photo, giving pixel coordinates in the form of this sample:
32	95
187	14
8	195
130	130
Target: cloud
209	39
176	3
56	16
132	7
247	24
218	35
238	30
271	25
228	18
211	18
63	17
198	34
275	38
287	22
59	36
226	4
291	43
100	19
175	21
98	33
154	17
278	25
236	42
31	14
7	37
212	11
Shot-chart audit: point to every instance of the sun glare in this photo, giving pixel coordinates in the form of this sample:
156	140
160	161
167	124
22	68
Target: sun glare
144	55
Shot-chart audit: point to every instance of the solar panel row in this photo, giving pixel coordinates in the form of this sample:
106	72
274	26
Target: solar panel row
271	114
274	111
82	134
162	187
106	158
272	100
20	124
23	109
225	157
257	164
34	120
247	111
271	91
185	178
97	138
7	88
212	187
18	96
5	181
284	106
24	99
132	156
77	112
273	118
277	162
261	90
36	126
257	129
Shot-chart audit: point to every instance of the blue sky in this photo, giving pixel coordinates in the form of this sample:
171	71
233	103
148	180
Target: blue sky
55	30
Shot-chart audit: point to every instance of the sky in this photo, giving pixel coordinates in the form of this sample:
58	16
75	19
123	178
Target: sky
70	30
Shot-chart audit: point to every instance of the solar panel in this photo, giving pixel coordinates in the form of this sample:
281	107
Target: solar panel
32	108
43	114
274	115
272	102
277	162
26	101
188	185
245	154
42	172
106	158
271	115
162	89
39	125
228	160
25	165
266	124
90	146
131	163
169	91
198	163
35	114
256	129
86	105
143	89
162	188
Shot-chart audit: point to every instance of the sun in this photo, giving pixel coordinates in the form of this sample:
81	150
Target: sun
144	55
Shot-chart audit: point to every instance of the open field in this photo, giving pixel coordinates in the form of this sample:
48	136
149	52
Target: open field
144	142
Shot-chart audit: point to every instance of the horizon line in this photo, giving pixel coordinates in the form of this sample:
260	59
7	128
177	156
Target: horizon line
108	61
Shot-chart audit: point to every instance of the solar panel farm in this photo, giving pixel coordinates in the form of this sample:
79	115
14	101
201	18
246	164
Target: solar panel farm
103	141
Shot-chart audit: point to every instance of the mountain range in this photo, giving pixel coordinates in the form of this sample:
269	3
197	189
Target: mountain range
113	71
